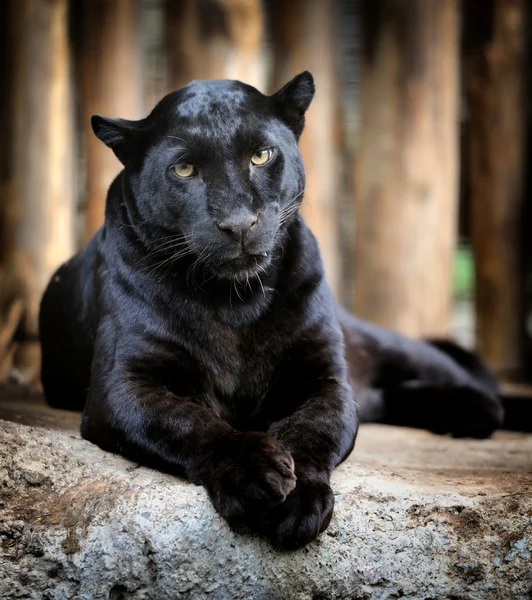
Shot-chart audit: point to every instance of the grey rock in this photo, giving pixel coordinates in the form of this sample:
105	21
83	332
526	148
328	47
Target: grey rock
417	516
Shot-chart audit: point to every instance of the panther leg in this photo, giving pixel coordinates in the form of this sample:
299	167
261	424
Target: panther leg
461	411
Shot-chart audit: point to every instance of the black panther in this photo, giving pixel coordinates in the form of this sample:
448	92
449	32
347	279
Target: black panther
198	335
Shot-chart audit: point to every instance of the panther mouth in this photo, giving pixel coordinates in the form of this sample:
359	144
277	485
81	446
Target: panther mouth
242	267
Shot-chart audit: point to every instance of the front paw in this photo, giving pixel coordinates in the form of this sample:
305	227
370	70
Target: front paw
251	472
305	514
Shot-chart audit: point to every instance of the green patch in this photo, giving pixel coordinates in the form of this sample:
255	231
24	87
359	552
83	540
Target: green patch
463	272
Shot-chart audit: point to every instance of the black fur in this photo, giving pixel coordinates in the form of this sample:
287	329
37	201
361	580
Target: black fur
197	333
432	384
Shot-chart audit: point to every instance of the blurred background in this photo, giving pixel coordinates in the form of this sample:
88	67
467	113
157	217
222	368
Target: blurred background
417	147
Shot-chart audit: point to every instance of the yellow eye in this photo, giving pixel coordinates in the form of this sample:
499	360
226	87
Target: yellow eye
184	170
261	157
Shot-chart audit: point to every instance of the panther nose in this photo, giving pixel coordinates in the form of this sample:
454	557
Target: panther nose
237	228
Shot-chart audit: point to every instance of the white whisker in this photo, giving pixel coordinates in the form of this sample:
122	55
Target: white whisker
290	208
174	137
236	290
262	287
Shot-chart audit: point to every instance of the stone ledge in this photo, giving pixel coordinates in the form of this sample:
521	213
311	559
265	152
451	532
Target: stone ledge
417	516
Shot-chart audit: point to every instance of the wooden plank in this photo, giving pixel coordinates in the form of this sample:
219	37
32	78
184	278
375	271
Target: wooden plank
304	38
7	216
110	84
214	39
495	38
43	187
406	165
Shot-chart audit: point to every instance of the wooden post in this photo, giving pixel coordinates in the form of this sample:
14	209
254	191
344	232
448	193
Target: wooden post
214	39
11	304
304	34
44	235
527	263
110	85
495	85
42	190
7	128
406	165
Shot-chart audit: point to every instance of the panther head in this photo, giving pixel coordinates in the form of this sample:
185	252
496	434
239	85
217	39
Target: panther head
216	165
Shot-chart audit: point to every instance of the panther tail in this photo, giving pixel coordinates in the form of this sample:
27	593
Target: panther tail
434	385
470	361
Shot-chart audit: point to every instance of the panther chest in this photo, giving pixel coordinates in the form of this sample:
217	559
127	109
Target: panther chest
238	368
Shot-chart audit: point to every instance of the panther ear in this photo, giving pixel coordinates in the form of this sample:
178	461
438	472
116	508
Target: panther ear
121	135
293	100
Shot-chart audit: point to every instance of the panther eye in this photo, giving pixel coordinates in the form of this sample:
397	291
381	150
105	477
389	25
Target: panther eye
261	157
184	170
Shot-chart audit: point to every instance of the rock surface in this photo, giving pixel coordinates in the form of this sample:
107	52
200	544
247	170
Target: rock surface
417	516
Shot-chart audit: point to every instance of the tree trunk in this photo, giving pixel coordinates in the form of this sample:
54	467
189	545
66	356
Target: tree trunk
304	38
110	85
406	165
213	39
42	190
495	84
